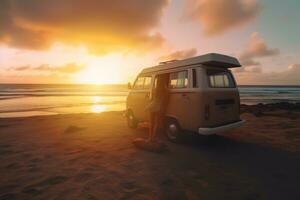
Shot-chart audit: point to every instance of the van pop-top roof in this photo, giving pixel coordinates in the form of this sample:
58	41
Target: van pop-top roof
211	59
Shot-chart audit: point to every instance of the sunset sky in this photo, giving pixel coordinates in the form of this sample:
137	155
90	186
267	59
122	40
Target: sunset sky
91	41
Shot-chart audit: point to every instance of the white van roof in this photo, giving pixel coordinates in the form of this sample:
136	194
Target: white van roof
211	59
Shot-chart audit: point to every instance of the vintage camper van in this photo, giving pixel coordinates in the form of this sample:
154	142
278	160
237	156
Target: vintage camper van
203	96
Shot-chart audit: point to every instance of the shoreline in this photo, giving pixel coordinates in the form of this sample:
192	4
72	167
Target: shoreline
256	109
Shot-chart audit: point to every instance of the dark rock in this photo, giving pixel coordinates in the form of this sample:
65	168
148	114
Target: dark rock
258	109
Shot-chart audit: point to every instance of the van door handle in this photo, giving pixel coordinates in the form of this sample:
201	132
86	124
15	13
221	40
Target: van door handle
185	96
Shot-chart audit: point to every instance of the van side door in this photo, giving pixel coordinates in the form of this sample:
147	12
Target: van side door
140	97
179	105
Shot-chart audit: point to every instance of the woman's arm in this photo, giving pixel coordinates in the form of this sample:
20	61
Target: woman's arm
152	94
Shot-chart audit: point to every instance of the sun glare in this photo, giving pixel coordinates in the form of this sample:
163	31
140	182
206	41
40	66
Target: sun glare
97	99
98	108
101	70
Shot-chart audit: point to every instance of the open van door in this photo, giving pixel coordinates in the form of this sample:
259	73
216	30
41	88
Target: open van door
139	97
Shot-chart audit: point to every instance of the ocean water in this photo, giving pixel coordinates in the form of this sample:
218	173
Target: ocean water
21	100
269	94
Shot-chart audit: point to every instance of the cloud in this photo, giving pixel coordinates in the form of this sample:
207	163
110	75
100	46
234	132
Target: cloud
256	48
248	62
179	55
69	68
102	26
294	67
218	16
250	69
289	76
21	68
41	74
255	70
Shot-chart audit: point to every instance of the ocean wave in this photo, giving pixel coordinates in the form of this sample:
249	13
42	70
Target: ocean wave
63	94
269	91
59	106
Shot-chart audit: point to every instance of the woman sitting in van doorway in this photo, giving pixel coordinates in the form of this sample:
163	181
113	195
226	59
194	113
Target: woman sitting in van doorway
158	104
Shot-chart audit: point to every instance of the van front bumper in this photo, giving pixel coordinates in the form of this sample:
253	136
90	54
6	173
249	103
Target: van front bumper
218	129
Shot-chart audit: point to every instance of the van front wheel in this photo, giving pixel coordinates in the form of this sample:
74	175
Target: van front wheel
131	121
173	131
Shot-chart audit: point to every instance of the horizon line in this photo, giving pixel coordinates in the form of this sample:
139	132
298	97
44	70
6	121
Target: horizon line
242	85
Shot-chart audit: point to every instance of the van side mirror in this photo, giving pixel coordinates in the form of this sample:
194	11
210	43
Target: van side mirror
129	86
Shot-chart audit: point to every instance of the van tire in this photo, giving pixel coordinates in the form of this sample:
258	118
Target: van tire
131	121
173	130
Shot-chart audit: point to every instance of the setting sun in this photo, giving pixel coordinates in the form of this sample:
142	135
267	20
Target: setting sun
101	70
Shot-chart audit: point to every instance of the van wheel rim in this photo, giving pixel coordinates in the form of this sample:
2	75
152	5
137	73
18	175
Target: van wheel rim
130	117
172	131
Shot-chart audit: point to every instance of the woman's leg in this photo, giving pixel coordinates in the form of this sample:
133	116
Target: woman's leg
155	126
151	125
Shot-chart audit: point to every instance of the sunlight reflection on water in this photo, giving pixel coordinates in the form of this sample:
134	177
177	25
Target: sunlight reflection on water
96	99
98	108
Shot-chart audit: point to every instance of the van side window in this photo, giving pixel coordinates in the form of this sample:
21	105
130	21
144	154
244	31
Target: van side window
142	82
139	83
220	79
147	82
194	78
178	79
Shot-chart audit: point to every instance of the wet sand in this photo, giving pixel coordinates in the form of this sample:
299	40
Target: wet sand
90	156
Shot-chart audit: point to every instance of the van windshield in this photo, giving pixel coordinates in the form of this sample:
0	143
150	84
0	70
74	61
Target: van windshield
220	78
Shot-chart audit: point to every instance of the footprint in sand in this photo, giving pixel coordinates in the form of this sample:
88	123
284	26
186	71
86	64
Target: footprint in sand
4	150
132	190
6	125
73	129
5	192
198	178
33	191
292	134
170	189
12	166
40	187
35	160
129	186
54	180
167	182
5	146
7	188
83	177
8	196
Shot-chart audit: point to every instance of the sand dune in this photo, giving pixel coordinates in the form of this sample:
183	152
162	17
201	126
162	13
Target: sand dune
90	156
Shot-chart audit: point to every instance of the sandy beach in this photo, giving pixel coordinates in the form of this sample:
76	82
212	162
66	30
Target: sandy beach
79	79
91	156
